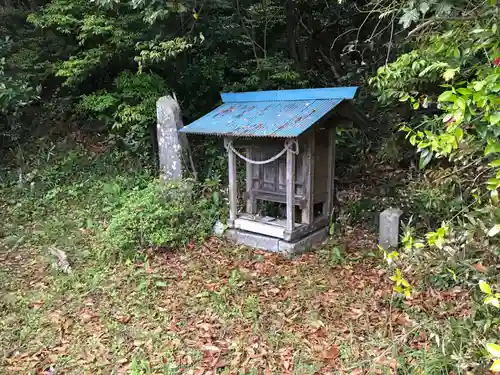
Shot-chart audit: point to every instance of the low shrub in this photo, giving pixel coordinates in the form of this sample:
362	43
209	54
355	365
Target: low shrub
162	215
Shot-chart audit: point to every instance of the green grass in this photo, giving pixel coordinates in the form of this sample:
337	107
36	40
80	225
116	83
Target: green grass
215	307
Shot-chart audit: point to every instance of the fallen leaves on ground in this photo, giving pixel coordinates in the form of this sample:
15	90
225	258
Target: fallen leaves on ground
216	307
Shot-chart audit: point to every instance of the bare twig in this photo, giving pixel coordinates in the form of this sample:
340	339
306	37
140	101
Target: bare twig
341	35
439	19
265	30
329	62
321	52
375	28
480	174
62	262
389	47
458	170
397	340
245	29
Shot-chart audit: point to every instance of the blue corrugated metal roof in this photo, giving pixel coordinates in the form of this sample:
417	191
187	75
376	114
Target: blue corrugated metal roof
301	94
284	113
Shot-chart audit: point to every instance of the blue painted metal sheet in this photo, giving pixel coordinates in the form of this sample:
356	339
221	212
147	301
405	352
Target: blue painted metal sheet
283	114
303	94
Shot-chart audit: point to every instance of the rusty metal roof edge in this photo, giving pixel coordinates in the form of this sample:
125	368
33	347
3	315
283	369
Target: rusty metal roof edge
241	136
284	95
293	125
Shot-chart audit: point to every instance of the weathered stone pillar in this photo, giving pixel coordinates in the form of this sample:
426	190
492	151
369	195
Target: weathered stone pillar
173	148
389	228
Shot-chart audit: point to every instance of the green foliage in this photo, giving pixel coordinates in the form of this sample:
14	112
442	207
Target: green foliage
494	351
104	33
460	57
449	76
15	93
151	52
265	74
493	300
130	108
431	202
163	216
197	50
402	285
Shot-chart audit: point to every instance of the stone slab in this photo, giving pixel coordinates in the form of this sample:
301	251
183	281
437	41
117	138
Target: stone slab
276	245
389	228
171	144
304	244
255	240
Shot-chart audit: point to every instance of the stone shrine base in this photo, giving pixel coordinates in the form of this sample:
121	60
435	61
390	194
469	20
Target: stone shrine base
277	245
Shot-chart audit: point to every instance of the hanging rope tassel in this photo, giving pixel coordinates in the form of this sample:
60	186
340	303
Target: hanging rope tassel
288	146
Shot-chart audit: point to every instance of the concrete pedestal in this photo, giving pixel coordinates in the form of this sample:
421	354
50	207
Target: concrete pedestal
277	245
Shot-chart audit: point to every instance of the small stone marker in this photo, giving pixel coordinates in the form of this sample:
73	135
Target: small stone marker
389	228
173	147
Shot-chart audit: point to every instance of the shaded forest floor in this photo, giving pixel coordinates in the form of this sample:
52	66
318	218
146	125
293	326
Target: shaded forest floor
214	308
211	308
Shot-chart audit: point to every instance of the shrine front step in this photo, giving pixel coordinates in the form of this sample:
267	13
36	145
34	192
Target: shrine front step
277	245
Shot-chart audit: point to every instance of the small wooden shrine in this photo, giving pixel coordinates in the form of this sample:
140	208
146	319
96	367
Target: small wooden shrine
286	140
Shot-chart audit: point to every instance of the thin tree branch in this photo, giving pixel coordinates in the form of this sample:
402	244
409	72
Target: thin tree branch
265	28
389	47
245	29
329	62
439	19
341	35
375	28
323	54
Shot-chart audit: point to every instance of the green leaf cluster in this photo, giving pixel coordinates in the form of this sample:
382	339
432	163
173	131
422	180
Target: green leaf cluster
162	215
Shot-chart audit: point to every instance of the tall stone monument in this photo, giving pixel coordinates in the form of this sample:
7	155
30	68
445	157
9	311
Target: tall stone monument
173	147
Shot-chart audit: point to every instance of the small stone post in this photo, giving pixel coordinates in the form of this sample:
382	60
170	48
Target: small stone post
389	228
173	148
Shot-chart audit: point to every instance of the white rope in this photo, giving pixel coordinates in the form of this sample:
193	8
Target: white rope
288	144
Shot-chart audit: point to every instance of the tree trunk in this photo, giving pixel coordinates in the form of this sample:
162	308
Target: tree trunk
291	31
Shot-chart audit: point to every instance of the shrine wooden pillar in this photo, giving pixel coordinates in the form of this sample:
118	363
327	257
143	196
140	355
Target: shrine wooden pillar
233	187
308	166
290	188
328	207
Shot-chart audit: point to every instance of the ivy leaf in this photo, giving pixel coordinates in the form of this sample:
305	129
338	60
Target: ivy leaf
495	163
491	148
494	197
464	91
434	66
404	97
478	86
495	367
494	230
492	301
494	350
447	96
494	118
493	183
425	158
449	74
485	287
424	8
461	103
408	17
